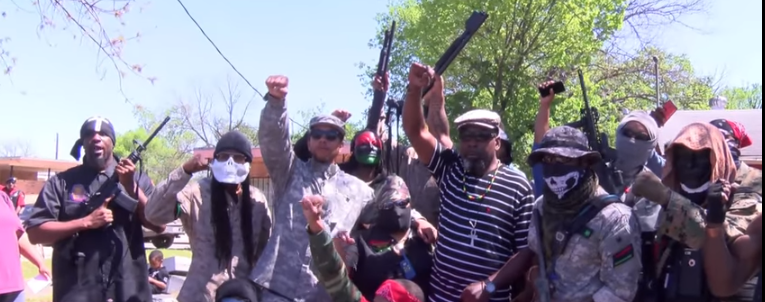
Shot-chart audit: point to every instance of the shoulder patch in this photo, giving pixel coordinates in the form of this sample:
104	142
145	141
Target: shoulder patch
623	255
77	193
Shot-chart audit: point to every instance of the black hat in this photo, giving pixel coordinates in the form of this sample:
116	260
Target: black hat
11	180
94	124
235	141
237	288
566	142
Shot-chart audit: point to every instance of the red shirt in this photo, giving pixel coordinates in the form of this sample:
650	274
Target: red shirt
16	195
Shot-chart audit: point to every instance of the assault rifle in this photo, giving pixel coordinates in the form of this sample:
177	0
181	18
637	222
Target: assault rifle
112	188
610	178
472	25
378	102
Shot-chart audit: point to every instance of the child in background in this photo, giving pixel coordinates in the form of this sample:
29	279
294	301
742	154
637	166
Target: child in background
158	276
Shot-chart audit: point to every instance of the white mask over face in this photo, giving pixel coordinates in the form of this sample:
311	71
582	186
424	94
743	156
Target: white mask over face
702	188
560	185
230	172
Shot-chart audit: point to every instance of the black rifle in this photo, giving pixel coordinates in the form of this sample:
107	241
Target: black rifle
472	25
378	102
112	188
610	178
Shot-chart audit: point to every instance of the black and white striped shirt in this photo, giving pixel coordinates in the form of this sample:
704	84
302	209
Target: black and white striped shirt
476	237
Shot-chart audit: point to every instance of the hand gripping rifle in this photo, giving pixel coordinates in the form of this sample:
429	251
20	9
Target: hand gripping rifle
112	188
472	25
378	102
610	178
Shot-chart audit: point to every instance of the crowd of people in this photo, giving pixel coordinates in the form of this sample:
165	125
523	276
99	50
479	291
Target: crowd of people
458	222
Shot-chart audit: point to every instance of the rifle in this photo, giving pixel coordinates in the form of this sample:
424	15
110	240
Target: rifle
111	186
610	178
373	118
656	75
472	25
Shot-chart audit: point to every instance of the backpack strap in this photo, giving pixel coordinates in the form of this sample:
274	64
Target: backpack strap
578	225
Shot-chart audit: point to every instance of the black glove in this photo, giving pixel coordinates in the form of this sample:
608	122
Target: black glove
715	203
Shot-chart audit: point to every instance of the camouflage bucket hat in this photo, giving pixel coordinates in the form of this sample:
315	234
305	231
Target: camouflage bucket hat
564	141
393	190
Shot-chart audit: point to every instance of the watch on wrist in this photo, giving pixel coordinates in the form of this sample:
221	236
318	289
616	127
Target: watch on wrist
489	286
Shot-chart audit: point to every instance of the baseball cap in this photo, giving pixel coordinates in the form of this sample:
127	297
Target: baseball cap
479	117
328	120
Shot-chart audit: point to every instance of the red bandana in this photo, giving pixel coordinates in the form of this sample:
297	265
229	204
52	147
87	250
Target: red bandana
394	292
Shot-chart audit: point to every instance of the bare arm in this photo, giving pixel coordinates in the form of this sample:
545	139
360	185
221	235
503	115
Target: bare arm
28	250
437	121
275	145
162	205
728	267
415	128
542	122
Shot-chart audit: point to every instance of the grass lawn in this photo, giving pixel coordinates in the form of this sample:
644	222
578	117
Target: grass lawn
30	271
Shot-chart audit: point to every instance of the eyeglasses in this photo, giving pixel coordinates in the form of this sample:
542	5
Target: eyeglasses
330	135
477	135
223	157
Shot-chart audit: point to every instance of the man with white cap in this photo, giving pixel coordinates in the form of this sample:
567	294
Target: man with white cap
283	270
485	205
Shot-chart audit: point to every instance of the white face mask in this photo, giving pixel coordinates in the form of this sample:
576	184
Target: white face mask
230	172
702	188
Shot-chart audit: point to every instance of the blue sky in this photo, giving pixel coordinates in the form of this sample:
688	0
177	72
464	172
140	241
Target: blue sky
317	44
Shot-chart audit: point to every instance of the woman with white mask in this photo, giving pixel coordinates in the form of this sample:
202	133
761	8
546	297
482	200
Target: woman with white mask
226	232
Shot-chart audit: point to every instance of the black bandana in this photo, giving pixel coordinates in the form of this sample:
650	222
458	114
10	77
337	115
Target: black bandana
94	124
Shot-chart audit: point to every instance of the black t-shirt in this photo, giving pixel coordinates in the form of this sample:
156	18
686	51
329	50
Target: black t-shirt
374	265
160	275
100	264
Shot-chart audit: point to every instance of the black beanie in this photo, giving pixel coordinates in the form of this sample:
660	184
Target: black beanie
234	141
94	124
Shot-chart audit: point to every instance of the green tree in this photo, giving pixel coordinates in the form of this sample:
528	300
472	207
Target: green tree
748	97
521	44
160	157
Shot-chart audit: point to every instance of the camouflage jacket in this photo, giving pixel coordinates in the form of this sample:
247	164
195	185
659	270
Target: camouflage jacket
602	264
345	196
684	221
176	198
330	270
747	176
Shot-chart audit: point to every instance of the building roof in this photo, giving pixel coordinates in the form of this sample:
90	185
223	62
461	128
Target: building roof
36	164
751	119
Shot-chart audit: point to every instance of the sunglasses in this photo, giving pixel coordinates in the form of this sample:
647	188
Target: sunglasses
391	204
329	135
561	160
477	135
636	135
224	157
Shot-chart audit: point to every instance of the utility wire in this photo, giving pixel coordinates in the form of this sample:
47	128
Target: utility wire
224	56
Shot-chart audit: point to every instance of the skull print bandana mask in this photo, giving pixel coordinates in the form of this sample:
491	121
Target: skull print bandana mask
561	179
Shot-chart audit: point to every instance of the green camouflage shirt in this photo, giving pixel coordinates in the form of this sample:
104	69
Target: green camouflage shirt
330	269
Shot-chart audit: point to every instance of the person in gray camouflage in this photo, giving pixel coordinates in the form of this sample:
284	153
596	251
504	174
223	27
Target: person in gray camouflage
598	262
284	269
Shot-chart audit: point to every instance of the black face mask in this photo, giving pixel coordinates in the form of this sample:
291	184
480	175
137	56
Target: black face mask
394	220
692	168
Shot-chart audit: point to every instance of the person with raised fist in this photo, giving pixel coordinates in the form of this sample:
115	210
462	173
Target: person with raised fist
283	269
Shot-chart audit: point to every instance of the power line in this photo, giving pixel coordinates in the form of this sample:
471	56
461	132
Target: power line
224	56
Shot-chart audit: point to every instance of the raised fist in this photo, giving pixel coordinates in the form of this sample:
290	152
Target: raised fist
277	86
420	76
649	186
343	115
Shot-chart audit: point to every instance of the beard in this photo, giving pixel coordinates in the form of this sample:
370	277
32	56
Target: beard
97	161
475	167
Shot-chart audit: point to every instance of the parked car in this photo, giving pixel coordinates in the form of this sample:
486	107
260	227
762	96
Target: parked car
166	238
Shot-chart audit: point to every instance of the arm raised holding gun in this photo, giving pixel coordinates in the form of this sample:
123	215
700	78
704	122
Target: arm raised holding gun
472	25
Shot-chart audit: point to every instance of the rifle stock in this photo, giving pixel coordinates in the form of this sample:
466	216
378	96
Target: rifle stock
112	188
378	101
610	178
472	25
